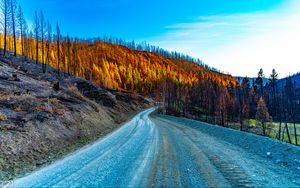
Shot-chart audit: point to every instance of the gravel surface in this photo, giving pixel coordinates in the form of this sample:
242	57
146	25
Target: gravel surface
164	151
227	158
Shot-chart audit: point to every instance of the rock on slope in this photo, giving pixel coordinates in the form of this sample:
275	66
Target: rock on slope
39	124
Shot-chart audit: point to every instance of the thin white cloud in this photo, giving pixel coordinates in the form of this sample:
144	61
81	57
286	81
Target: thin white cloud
241	43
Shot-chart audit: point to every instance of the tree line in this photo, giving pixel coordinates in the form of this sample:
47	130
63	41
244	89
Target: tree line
262	100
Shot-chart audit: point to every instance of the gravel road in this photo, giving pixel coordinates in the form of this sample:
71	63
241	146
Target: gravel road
164	151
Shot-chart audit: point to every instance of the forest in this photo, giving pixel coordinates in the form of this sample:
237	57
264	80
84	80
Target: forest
185	86
236	107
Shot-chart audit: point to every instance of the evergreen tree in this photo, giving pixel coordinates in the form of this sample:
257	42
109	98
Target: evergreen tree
260	82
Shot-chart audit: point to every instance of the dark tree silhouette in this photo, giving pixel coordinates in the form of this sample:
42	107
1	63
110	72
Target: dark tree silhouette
260	82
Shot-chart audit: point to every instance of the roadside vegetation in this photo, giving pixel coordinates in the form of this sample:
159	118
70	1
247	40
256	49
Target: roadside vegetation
272	129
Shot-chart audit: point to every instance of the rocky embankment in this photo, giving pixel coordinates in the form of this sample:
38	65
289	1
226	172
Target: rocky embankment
41	120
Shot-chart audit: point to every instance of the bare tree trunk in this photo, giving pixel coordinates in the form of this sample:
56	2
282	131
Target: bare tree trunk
36	30
43	59
37	51
241	120
5	27
264	128
287	132
279	130
295	132
68	54
223	121
13	25
22	41
283	132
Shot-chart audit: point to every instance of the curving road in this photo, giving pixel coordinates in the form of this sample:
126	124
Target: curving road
160	151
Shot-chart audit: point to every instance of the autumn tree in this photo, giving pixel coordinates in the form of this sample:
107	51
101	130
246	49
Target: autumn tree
262	114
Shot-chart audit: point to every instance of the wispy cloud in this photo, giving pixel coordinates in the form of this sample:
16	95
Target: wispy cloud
241	43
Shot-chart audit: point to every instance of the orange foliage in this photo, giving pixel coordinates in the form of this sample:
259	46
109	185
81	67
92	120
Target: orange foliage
119	67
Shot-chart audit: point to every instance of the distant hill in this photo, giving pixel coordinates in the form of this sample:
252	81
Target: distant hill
280	82
295	79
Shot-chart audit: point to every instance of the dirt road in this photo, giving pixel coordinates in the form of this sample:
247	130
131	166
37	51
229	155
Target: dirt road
163	151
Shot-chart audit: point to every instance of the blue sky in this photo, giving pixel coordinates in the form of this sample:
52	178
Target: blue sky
216	31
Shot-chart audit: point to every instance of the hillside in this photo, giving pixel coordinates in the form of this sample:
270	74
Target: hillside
40	122
119	67
295	78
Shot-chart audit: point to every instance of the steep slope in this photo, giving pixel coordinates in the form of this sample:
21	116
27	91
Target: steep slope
39	123
119	67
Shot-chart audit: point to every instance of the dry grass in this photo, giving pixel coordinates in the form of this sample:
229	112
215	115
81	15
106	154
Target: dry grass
52	106
73	90
18	109
8	127
28	102
3	117
5	96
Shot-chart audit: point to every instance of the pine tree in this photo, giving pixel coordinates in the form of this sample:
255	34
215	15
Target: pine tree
260	81
273	80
